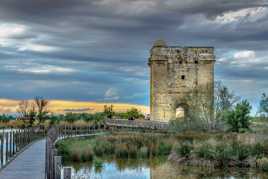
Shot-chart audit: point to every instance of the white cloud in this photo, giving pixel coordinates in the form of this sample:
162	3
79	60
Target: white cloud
247	14
245	54
11	30
134	70
8	31
39	69
222	60
37	48
111	94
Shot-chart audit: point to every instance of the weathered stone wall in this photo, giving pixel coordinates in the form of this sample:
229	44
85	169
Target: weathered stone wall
175	72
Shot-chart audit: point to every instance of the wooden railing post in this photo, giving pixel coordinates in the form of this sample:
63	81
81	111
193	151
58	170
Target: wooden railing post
57	166
10	144
67	172
6	144
2	149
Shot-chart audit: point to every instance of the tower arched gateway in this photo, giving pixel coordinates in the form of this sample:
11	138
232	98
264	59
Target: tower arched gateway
175	72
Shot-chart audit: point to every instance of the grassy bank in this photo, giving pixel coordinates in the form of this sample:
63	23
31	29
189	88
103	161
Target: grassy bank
218	150
119	145
222	154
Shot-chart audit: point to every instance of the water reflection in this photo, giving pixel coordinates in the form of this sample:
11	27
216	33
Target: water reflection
156	169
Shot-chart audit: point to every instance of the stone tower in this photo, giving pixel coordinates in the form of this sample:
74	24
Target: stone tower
176	72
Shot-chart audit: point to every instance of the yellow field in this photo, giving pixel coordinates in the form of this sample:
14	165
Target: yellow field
62	106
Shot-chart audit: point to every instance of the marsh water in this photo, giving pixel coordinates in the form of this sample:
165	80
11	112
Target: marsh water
158	168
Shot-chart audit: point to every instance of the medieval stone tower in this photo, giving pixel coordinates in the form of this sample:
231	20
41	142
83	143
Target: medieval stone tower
176	72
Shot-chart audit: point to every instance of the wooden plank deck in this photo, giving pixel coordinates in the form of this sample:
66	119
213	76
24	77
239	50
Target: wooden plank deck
30	164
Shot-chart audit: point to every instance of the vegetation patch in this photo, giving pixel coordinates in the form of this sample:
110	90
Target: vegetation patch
119	145
221	154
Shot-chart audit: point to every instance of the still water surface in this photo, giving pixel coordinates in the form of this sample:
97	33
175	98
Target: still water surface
156	169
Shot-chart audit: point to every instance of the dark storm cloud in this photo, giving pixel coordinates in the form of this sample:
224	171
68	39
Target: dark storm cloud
103	44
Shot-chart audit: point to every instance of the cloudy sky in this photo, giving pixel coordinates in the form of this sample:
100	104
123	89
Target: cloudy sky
97	50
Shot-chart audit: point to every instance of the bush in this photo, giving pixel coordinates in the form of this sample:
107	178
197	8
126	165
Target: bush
239	119
205	151
62	150
223	154
257	150
121	151
241	151
164	148
143	152
263	164
75	155
103	147
132	151
98	164
183	149
87	155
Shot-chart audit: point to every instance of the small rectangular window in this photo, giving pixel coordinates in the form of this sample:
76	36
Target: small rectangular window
182	77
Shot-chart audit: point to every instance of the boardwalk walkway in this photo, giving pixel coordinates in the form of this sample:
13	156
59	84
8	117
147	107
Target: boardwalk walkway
30	164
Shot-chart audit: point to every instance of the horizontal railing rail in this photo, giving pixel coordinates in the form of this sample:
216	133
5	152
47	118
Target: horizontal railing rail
13	141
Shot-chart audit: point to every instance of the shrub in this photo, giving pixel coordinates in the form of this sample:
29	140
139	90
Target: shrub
63	151
103	147
239	119
87	155
205	151
263	164
75	155
241	151
184	149
132	151
143	152
164	148
98	164
223	154
121	151
257	150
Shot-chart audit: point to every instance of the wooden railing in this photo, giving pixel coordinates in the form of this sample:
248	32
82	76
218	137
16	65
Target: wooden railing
13	141
55	133
137	124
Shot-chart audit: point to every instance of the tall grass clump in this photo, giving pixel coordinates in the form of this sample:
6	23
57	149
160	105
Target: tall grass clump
121	145
183	149
205	151
262	164
103	148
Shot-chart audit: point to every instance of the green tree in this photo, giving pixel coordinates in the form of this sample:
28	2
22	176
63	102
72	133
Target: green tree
70	117
224	100
263	108
134	114
238	118
108	111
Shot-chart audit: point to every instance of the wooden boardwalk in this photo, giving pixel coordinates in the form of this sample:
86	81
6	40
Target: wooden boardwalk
30	164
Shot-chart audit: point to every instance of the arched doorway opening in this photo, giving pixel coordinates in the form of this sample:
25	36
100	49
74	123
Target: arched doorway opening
180	112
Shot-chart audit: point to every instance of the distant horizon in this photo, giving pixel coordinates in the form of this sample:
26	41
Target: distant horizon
9	106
